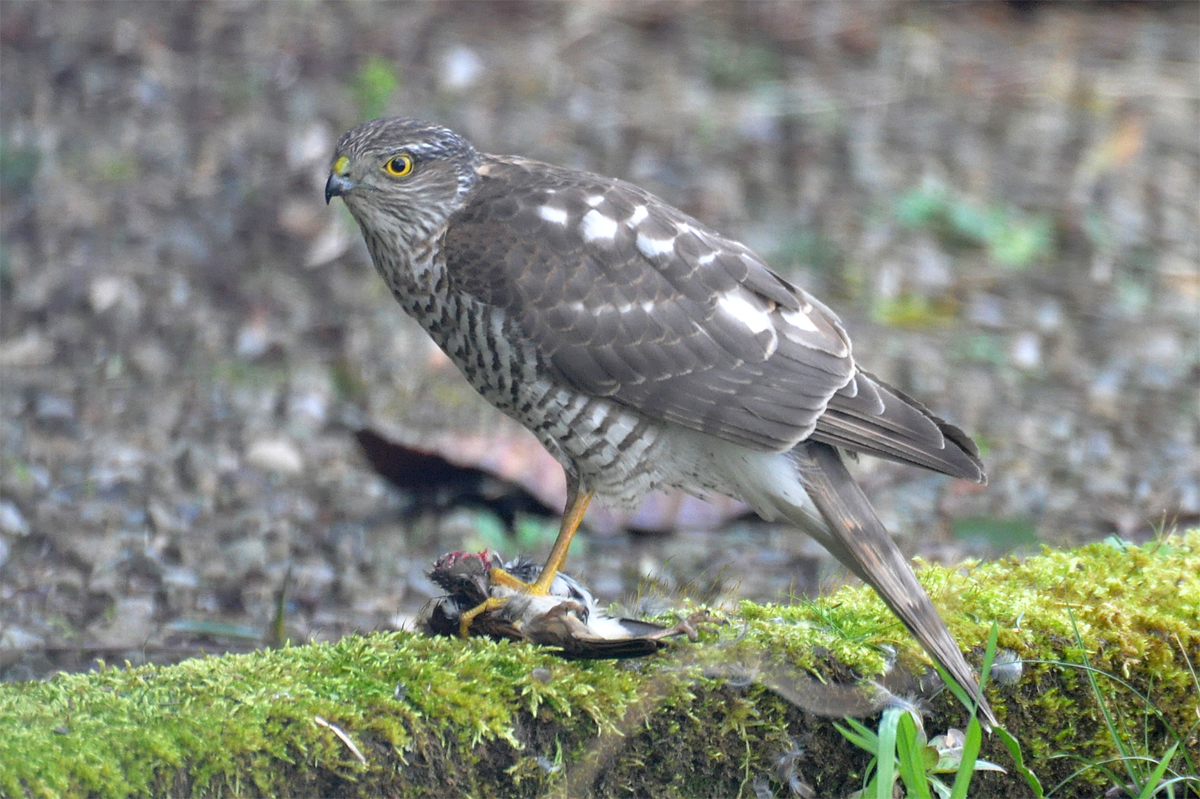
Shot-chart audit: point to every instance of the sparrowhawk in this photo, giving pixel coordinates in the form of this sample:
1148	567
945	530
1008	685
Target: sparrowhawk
644	349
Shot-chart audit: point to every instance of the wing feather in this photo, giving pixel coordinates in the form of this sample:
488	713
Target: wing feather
625	297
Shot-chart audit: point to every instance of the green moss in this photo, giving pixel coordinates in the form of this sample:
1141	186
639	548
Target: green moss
436	717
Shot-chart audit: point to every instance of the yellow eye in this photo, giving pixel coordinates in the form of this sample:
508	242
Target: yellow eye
399	166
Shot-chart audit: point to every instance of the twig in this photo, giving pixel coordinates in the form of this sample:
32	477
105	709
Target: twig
345	738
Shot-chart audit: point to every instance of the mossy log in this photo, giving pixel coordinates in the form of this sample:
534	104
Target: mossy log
400	714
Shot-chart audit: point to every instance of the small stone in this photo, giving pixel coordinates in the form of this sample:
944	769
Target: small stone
242	558
132	622
151	359
986	310
1049	316
311	581
11	520
31	349
1104	394
254	339
177	577
53	408
461	68
309	146
105	292
1027	350
117	294
18	640
275	455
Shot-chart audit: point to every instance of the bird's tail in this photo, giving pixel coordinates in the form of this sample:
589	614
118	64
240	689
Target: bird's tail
827	503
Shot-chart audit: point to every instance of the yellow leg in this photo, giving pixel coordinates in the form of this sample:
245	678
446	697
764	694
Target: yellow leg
577	503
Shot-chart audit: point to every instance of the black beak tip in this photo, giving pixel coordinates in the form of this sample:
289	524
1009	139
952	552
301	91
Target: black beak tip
336	186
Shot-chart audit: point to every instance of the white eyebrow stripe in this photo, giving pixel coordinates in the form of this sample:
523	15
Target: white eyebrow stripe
651	247
551	214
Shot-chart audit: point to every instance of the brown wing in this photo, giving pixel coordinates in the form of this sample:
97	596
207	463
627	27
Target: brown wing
625	297
867	415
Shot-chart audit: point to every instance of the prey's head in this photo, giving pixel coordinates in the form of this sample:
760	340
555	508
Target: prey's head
401	177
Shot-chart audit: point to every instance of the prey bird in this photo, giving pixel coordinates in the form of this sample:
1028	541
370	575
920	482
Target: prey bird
643	349
567	617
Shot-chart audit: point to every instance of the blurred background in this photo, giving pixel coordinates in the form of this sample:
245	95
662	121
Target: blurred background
999	198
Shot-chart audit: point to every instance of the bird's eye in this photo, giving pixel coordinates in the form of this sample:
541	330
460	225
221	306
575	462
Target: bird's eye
399	166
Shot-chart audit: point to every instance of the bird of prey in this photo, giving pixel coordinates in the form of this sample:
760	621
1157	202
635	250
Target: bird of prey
567	616
642	348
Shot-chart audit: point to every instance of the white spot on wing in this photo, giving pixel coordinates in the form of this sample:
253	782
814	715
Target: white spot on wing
745	312
596	225
705	260
595	200
651	247
551	214
639	215
799	319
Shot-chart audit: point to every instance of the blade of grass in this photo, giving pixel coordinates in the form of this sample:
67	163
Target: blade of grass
966	767
912	758
1014	751
859	735
886	774
1117	740
1151	786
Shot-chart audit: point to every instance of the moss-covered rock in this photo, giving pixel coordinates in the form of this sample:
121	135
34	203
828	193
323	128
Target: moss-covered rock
403	715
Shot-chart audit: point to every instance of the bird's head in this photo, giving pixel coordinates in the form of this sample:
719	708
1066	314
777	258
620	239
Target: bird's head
401	177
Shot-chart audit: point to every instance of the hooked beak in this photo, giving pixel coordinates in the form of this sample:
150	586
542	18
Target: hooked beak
336	186
339	182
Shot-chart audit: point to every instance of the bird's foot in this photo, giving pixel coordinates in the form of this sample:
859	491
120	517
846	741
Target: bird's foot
499	577
487	605
691	626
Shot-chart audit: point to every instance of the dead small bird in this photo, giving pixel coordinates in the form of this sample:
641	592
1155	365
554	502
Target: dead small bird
481	600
